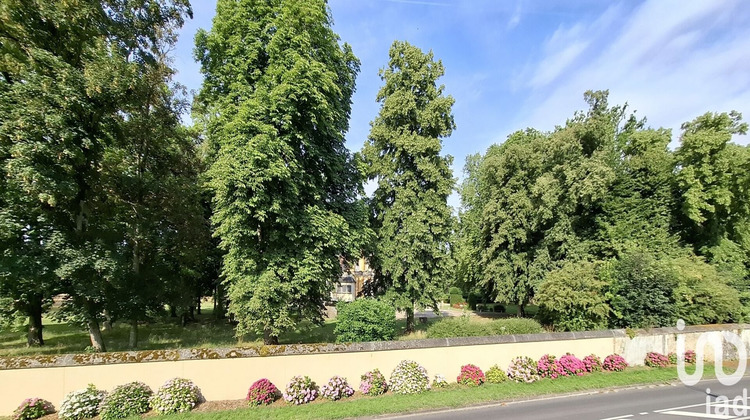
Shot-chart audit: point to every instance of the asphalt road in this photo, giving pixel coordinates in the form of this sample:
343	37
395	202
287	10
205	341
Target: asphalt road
663	402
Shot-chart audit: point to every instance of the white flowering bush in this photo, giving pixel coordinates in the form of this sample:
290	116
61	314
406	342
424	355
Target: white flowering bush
301	390
409	377
126	400
523	369
336	389
439	381
177	395
81	404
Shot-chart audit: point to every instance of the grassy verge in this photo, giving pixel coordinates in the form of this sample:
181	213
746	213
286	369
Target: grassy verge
453	396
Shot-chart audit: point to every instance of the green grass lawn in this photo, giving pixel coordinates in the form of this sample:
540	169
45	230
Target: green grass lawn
451	397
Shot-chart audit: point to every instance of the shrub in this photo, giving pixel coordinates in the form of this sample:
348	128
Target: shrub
516	326
656	360
549	367
301	390
495	375
690	356
81	404
592	363
471	375
614	363
125	400
439	381
33	408
523	369
336	389
373	383
572	365
456	299
457	327
409	378
262	392
672	358
177	395
365	320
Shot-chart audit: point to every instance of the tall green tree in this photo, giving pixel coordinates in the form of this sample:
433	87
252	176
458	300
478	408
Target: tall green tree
411	217
67	68
275	105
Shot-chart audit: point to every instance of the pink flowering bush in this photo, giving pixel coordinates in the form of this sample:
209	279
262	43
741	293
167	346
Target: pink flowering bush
373	383
614	363
262	392
572	365
523	369
33	408
549	367
471	375
592	363
690	356
301	390
656	360
336	389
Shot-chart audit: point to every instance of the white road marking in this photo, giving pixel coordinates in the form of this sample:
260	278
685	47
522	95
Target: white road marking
678	408
701	415
619	417
644	413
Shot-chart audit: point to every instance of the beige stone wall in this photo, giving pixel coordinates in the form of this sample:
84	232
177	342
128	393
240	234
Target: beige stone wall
229	377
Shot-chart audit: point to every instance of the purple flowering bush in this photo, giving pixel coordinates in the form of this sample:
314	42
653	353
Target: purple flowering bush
614	363
336	389
301	390
572	365
549	367
523	369
373	383
409	377
592	363
656	360
124	401
33	408
471	375
262	392
177	395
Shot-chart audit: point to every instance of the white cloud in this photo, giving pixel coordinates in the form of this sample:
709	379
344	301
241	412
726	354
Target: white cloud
668	60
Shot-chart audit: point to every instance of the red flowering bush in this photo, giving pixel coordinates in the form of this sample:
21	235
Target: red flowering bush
471	375
592	363
262	392
572	365
656	360
614	363
549	367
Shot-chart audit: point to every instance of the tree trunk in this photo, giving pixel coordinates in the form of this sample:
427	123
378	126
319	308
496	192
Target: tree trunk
95	334
198	307
521	313
133	341
268	338
173	311
220	309
409	320
35	338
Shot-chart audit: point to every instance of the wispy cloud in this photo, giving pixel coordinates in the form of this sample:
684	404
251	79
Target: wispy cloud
515	19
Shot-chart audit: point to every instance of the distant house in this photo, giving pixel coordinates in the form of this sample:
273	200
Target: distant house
352	281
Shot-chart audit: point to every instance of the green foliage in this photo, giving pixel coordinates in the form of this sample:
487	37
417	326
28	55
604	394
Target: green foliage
495	375
642	291
411	217
127	400
456	299
702	295
465	327
365	320
572	298
274	108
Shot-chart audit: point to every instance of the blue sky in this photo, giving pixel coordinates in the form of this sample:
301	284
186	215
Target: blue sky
511	65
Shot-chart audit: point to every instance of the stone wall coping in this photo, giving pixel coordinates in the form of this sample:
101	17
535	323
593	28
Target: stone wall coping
91	359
